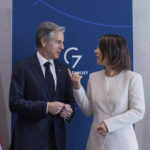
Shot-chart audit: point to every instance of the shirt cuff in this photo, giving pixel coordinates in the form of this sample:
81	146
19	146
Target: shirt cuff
47	108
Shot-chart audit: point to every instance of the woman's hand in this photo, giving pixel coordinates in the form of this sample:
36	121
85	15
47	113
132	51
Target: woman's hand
102	128
75	78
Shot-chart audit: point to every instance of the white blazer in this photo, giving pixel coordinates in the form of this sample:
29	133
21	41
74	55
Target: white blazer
119	102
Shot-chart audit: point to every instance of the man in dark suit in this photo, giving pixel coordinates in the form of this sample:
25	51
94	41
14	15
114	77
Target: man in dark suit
41	94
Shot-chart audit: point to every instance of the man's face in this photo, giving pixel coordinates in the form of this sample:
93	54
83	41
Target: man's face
54	46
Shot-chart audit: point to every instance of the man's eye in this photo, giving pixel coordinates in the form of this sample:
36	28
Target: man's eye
58	42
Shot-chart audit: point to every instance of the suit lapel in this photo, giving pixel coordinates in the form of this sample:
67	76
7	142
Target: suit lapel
58	69
39	74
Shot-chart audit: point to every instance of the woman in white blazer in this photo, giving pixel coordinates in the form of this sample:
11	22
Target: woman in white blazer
114	97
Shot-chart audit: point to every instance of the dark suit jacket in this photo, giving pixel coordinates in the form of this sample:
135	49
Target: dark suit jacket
28	98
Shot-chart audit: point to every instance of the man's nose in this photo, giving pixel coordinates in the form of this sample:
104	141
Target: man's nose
62	46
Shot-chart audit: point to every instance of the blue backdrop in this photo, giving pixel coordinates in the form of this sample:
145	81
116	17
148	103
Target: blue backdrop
85	22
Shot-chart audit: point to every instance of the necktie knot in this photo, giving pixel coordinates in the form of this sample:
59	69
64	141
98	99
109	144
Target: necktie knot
47	64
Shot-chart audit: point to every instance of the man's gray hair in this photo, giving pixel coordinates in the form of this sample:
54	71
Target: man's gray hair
46	30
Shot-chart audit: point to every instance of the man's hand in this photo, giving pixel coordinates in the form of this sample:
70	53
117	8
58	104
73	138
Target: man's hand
55	107
66	111
102	128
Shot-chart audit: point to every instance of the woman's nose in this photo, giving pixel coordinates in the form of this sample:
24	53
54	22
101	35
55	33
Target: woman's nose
95	51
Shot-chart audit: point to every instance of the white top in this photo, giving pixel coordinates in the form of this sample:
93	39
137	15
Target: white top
119	102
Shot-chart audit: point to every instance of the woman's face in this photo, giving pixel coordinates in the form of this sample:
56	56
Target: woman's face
100	61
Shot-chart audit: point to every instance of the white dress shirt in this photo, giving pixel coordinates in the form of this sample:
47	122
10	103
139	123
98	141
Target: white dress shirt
42	61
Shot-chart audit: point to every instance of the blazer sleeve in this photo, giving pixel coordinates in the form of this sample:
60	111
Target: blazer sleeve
84	99
136	107
17	102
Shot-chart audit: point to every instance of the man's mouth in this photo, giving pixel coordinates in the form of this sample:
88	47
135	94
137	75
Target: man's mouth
58	52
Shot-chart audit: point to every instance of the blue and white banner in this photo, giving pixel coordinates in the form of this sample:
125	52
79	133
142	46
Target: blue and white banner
85	22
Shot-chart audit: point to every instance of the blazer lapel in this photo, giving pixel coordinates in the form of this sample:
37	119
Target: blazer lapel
58	69
39	74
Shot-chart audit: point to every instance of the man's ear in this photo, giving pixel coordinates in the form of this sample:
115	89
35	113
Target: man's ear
43	42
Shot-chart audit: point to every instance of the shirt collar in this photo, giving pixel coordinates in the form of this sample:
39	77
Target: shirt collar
42	60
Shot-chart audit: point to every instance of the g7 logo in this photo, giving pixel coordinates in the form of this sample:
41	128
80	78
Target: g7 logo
78	57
